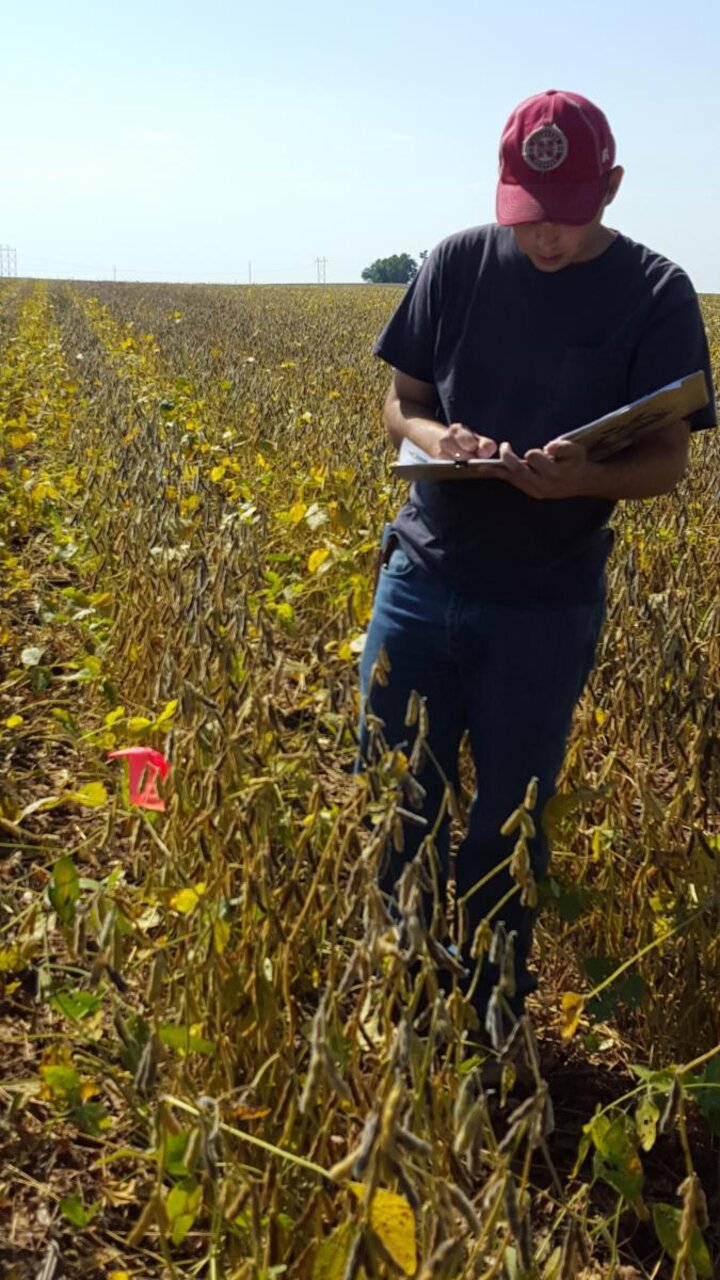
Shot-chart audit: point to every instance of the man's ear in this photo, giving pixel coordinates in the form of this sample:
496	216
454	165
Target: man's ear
615	177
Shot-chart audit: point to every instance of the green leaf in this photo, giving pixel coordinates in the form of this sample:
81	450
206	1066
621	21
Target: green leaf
666	1220
75	1004
174	1148
40	679
64	888
584	1146
62	1081
184	1039
91	1117
616	1158
661	1081
136	1036
74	1211
181	1206
704	1089
331	1258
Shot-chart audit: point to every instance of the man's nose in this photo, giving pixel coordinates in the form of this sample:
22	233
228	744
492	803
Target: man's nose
546	234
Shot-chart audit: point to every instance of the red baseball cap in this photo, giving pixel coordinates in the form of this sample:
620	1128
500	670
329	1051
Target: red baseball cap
556	152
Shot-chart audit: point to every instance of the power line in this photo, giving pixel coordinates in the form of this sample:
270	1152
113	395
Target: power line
278	272
8	260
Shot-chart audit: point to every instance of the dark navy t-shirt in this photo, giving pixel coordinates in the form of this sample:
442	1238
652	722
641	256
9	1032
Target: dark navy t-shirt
522	355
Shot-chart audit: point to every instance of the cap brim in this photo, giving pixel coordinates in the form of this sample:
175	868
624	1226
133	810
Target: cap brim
574	204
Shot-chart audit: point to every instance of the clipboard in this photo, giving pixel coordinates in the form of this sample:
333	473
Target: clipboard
602	437
414	463
615	431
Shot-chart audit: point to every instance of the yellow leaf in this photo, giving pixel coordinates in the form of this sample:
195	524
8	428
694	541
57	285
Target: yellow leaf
221	935
361	599
401	763
297	511
600	716
647	1116
113	716
168	711
119	1275
186	900
11	960
217	474
573	1007
13	722
136	724
317	558
393	1220
44	489
92	796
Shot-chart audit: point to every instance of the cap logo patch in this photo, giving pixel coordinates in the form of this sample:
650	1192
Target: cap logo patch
545	149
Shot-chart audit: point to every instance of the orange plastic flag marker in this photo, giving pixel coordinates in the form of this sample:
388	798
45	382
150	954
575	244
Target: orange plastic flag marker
144	765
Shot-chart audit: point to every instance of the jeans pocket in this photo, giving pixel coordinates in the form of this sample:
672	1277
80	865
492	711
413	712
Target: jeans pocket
399	564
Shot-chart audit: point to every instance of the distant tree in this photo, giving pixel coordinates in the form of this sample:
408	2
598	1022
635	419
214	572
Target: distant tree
400	269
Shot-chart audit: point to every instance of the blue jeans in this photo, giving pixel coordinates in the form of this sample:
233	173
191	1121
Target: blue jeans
511	676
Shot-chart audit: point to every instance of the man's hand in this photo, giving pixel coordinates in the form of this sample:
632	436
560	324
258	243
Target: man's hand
653	464
560	470
461	444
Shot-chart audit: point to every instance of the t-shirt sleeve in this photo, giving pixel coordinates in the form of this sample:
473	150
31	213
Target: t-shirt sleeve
672	347
408	341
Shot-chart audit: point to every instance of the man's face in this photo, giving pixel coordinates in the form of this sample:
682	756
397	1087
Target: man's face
551	246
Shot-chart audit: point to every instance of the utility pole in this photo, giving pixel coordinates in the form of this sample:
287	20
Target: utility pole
8	260
249	272
114	275
321	263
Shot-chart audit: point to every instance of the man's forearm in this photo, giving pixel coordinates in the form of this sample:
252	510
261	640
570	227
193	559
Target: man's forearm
644	470
411	420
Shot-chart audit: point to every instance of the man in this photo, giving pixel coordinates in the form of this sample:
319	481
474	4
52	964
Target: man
491	595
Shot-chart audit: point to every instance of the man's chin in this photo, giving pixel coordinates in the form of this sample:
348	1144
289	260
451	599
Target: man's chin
555	263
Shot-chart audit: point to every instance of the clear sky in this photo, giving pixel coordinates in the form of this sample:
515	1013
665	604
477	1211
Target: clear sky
183	141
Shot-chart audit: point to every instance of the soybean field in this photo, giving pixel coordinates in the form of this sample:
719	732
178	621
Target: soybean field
212	1057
